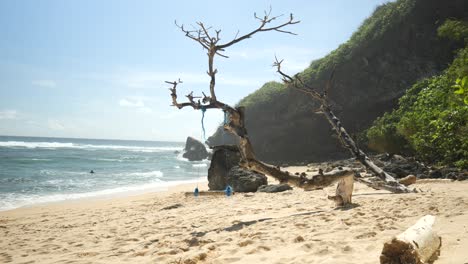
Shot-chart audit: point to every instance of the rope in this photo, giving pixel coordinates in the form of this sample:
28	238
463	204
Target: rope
203	109
225	117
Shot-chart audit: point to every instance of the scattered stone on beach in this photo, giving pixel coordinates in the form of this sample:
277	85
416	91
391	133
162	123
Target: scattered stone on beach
242	180
194	150
174	206
399	166
224	158
274	188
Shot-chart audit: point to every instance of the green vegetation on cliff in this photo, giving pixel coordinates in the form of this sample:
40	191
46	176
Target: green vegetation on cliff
374	29
432	119
269	92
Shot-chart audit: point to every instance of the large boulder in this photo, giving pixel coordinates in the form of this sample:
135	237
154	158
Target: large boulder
242	180
194	150
223	159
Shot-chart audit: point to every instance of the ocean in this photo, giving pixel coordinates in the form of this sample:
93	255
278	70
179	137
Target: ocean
37	170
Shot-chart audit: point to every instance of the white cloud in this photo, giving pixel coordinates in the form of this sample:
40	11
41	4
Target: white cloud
145	110
8	114
55	125
135	102
131	103
45	83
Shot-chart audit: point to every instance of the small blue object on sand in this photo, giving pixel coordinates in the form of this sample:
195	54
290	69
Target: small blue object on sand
196	192
228	191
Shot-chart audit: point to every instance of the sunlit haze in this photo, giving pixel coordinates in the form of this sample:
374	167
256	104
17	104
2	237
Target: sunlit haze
96	69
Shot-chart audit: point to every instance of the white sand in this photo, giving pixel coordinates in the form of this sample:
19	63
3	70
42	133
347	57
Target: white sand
289	227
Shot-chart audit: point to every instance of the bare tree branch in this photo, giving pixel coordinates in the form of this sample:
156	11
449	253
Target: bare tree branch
236	125
297	83
263	22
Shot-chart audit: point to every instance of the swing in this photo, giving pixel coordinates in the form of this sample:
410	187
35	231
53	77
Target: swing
228	191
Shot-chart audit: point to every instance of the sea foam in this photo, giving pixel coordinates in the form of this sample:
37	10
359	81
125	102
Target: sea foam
57	145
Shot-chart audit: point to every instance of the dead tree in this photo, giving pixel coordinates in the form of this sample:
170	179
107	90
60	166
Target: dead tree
390	183
210	41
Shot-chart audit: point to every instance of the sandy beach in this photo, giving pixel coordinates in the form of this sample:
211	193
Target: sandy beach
289	227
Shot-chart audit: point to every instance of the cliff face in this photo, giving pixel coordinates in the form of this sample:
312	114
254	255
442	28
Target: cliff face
392	49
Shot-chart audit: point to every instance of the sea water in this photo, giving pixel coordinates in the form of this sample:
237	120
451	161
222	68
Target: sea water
37	170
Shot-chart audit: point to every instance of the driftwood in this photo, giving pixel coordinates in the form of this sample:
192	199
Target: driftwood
391	184
408	180
344	191
211	42
418	244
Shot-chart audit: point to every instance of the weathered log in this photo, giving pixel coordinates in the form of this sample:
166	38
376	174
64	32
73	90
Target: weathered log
418	244
207	193
408	180
344	191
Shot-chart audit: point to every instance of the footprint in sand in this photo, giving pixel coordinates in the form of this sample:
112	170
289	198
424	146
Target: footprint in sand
86	254
5	258
366	235
245	243
347	249
323	251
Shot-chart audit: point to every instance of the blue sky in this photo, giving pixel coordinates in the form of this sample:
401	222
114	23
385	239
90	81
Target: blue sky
96	69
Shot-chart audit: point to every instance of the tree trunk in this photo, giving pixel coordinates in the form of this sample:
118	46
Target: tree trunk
418	244
249	161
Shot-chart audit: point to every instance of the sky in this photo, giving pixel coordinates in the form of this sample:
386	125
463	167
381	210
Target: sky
96	69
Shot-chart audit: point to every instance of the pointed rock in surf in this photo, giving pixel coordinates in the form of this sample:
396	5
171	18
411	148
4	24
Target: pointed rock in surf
194	150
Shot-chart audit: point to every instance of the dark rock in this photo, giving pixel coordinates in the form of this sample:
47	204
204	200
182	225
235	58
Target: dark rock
398	159
176	152
274	188
194	150
242	180
435	174
462	176
451	175
448	171
224	158
399	166
422	176
396	170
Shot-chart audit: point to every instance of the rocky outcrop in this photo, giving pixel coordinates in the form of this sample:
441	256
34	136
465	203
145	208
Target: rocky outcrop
224	158
194	150
242	180
224	171
274	188
398	166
